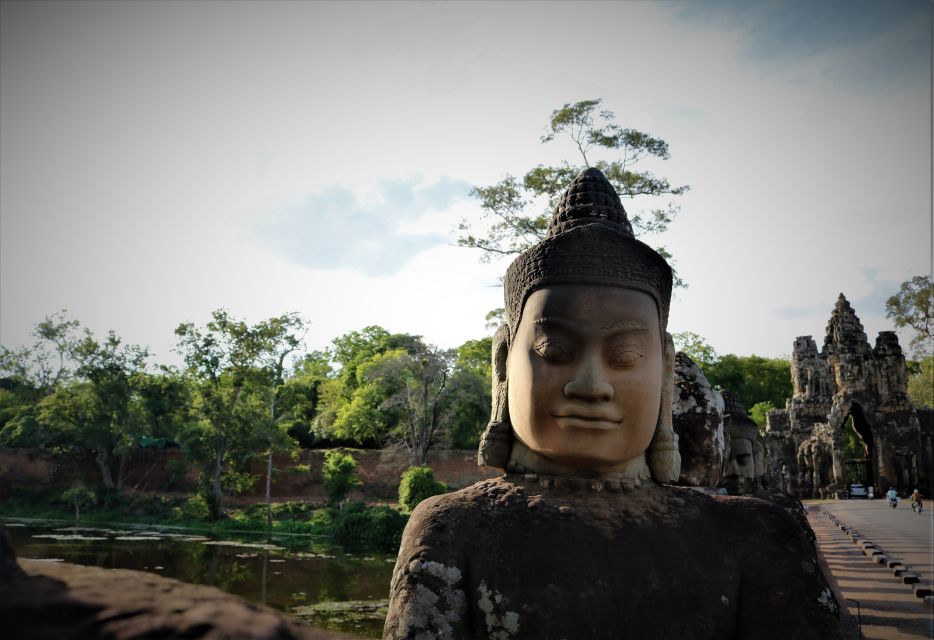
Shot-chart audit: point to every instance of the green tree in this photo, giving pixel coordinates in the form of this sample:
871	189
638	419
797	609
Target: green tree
19	427
29	374
163	402
339	475
234	367
913	306
110	367
279	337
60	419
854	449
355	348
416	484
94	416
353	406
475	355
495	318
921	384
695	347
362	417
300	394
50	360
759	411
79	496
753	378
420	380
516	212
465	408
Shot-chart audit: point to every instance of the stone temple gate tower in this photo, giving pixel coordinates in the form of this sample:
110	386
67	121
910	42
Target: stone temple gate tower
846	379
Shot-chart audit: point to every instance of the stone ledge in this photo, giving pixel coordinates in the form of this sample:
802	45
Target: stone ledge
61	601
910	578
922	590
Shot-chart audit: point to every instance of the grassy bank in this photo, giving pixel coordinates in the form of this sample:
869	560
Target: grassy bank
355	526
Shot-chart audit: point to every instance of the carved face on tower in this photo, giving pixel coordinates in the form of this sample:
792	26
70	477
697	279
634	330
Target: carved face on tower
585	374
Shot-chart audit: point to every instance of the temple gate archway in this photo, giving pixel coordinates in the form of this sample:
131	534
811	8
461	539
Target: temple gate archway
846	395
858	447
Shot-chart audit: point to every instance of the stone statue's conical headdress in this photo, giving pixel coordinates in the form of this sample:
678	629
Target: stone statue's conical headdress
589	241
737	421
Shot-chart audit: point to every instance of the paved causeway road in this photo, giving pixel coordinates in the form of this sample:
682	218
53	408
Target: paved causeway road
888	609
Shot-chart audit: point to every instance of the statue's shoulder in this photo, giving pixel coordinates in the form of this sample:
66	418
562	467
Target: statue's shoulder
445	527
463	506
783	499
760	524
473	497
748	508
784	593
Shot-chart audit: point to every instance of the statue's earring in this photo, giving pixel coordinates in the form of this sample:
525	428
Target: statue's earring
664	457
496	441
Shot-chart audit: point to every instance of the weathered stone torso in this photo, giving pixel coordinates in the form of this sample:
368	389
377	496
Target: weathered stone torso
509	558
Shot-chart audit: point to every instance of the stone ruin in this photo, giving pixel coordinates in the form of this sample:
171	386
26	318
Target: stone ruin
697	418
847	379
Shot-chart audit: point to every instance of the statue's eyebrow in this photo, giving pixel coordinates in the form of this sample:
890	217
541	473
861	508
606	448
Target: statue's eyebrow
625	325
557	321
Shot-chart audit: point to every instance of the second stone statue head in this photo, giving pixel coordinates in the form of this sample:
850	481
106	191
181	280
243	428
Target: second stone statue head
582	369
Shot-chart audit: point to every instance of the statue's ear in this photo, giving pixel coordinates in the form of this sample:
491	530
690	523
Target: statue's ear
500	353
663	455
759	458
496	441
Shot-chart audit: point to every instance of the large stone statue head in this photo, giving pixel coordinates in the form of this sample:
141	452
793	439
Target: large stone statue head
745	462
697	417
582	369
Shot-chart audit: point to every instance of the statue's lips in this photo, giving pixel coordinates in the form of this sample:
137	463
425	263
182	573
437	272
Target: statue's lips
584	421
732	482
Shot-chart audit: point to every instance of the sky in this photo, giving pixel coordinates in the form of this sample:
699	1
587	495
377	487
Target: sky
159	160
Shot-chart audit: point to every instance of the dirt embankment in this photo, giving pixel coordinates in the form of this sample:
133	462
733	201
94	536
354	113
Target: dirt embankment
164	471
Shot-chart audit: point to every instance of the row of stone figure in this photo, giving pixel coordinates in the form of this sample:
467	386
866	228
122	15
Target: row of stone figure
719	443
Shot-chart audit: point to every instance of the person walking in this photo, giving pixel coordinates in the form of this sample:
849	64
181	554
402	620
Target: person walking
917	505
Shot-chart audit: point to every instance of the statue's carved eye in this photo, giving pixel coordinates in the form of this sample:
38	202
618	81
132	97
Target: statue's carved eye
553	351
625	357
744	459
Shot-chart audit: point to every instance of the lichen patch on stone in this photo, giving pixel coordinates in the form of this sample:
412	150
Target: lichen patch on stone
826	599
499	626
449	575
434	604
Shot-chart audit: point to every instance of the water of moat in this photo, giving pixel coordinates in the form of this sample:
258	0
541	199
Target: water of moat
312	580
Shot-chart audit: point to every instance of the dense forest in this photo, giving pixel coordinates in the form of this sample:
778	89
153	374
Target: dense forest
249	391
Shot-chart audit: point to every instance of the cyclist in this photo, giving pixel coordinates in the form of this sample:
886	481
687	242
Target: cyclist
892	497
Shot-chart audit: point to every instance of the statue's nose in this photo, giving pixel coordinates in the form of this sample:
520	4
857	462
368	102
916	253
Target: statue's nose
589	382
